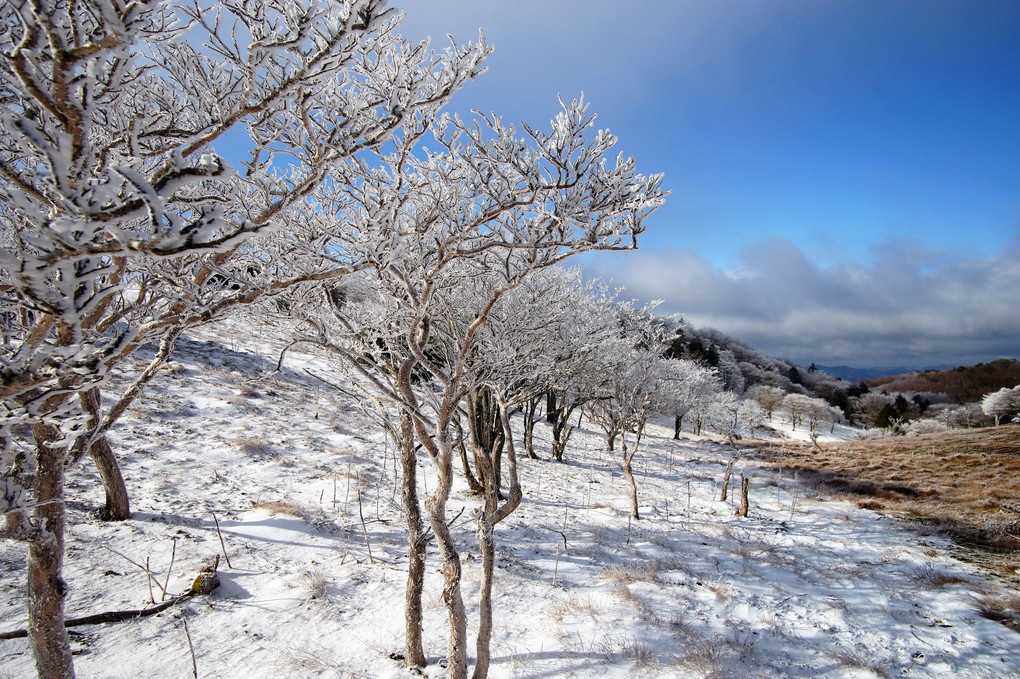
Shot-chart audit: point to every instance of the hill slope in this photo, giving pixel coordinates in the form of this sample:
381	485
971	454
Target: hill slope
305	490
964	384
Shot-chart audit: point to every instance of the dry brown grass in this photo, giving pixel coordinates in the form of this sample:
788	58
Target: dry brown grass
964	483
632	572
1004	608
281	507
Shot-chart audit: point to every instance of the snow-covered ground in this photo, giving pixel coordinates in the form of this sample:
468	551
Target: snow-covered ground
803	587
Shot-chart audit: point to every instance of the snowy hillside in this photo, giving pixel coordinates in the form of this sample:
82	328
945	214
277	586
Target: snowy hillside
304	489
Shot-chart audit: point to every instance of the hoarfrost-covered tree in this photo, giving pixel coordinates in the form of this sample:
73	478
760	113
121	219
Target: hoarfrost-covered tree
768	397
696	384
1003	404
541	326
752	415
109	179
635	382
870	405
701	393
482	202
801	407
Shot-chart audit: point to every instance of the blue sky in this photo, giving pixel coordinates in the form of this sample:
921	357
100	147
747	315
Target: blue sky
845	175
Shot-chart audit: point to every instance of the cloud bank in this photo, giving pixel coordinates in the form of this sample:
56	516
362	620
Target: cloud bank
909	305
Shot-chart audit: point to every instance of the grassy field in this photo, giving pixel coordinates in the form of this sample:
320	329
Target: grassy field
965	484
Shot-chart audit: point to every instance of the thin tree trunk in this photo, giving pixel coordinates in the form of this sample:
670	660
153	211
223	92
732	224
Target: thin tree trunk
473	483
118	507
678	423
489	518
487	550
486	436
440	451
550	406
417	540
561	431
497	465
46	588
529	428
724	493
743	496
628	472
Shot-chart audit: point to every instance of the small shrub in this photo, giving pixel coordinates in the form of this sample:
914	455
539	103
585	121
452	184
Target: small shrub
720	589
855	659
935	576
646	571
560	608
275	507
642	654
315	583
255	448
926	426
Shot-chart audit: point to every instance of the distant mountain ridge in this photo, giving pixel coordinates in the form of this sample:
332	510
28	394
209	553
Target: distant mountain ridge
963	384
852	374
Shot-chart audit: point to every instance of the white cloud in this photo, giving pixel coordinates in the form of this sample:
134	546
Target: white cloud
908	305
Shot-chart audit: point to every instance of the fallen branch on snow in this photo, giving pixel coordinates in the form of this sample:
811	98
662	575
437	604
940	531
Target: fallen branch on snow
205	583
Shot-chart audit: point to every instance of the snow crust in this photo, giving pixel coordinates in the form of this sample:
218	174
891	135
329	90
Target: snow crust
803	587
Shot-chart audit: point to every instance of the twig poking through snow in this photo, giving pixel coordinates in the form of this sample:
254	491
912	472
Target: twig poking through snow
223	546
364	529
191	647
173	555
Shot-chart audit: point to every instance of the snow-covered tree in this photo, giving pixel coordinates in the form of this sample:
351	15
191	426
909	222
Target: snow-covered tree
635	382
870	405
696	387
482	203
751	414
109	179
724	414
1003	404
814	410
768	397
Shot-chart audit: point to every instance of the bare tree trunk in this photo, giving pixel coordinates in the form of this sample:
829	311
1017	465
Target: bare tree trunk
118	507
628	472
561	431
487	436
46	588
550	406
530	410
441	453
497	465
743	496
678	424
724	493
473	482
489	518
487	550
417	540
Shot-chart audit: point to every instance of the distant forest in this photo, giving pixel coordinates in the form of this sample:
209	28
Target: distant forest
963	384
